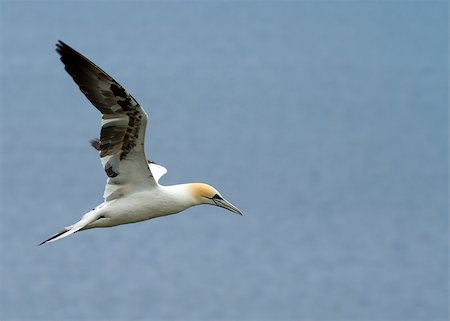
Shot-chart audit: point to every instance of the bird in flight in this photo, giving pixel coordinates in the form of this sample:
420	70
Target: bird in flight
132	193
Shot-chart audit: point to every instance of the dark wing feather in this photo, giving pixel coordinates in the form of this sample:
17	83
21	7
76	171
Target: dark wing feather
122	135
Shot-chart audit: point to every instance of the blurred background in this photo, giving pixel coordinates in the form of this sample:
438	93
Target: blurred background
326	123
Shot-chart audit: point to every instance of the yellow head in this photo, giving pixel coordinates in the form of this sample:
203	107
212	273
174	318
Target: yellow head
206	194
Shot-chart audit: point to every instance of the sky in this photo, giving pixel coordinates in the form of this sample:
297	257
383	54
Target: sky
325	122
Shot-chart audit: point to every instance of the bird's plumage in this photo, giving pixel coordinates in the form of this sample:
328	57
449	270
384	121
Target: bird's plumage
122	135
132	191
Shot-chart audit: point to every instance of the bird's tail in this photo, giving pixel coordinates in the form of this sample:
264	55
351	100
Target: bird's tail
58	235
87	218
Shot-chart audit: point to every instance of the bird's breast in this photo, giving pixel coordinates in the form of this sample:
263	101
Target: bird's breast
145	205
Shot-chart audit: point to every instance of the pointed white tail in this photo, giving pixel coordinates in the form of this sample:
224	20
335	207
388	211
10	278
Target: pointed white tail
85	220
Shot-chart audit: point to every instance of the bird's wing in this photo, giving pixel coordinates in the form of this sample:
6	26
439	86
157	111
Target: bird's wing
122	136
157	170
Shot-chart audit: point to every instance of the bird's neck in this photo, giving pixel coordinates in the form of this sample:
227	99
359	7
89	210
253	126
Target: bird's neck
182	194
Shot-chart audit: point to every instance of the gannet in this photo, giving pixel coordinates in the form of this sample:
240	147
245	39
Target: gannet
132	193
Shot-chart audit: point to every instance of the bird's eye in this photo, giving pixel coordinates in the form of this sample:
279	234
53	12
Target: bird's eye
217	197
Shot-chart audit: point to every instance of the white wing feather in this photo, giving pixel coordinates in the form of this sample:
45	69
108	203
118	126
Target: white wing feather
157	170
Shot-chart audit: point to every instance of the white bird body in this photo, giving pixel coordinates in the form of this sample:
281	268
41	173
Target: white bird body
142	206
132	193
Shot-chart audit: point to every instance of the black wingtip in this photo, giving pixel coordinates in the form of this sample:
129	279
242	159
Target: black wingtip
60	46
64	49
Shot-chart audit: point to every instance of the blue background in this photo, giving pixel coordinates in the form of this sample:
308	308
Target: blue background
325	122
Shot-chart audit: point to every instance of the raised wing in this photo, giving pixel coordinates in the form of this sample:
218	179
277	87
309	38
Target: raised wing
157	170
122	136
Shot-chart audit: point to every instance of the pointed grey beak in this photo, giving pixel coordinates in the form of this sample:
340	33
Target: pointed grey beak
227	205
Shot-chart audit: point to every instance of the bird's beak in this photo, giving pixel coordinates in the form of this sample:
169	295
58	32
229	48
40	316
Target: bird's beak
227	205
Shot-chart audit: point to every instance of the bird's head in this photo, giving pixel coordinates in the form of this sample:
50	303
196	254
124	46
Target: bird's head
206	194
